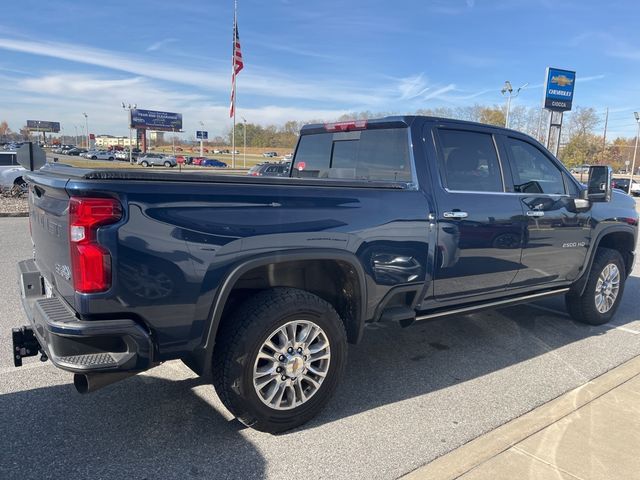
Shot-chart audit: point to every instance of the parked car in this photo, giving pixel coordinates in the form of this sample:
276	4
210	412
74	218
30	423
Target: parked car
152	159
260	283
288	157
196	160
212	162
623	184
270	154
270	170
11	172
74	152
100	155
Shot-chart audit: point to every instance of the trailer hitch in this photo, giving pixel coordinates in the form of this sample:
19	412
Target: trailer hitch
25	344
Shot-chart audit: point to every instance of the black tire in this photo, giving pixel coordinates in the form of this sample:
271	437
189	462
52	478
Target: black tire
94	158
583	307
144	163
167	164
240	339
111	159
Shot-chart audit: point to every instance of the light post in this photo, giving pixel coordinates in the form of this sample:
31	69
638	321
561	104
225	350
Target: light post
76	127
635	151
244	151
201	148
86	119
508	91
129	107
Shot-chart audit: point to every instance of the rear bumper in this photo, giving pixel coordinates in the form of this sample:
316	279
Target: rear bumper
76	345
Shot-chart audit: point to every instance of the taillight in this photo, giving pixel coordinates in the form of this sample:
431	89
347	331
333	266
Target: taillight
90	262
346	126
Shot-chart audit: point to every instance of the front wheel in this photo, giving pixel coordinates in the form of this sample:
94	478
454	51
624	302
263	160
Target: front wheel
167	164
144	163
279	358
605	286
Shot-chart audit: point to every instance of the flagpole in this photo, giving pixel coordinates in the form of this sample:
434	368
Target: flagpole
233	132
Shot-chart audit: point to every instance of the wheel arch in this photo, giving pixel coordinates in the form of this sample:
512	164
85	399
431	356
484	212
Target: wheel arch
617	237
291	269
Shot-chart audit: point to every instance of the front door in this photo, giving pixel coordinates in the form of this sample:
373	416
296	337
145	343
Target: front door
479	222
557	236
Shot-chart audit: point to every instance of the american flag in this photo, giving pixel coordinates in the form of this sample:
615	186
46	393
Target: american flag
237	65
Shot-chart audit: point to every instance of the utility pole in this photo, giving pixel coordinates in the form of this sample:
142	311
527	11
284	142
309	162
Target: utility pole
604	135
129	107
76	127
201	147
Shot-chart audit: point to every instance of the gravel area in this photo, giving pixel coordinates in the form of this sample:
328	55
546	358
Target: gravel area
12	206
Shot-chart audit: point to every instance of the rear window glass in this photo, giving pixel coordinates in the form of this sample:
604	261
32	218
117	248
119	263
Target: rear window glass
379	154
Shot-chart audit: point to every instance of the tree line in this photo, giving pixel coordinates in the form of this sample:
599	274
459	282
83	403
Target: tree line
581	142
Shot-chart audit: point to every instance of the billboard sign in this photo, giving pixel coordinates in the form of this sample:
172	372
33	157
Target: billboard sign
201	135
558	89
42	126
153	120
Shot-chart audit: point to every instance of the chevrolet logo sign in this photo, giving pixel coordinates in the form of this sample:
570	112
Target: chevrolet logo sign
561	80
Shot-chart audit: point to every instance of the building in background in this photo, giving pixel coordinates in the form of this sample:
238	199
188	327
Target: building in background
106	141
156	137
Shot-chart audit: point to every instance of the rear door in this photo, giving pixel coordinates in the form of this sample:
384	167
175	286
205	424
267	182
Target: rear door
479	220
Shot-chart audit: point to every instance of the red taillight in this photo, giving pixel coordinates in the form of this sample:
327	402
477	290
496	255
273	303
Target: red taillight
90	262
346	126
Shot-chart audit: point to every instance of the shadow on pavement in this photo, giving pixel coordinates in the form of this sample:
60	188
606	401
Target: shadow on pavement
142	428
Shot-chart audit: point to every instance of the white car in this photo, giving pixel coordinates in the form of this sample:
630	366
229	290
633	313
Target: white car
10	172
100	155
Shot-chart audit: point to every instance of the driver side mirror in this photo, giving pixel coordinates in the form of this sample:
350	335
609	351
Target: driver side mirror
599	184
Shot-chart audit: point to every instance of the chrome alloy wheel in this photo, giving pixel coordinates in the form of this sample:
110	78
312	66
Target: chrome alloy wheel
291	365
607	288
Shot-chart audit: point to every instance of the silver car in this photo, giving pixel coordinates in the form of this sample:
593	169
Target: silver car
100	155
151	159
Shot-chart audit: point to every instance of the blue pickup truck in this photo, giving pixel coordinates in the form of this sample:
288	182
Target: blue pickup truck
262	282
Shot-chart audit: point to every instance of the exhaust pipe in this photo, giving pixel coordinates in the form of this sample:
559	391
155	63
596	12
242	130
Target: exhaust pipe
90	382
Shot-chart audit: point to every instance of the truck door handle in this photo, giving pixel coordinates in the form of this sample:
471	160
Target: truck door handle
455	214
535	213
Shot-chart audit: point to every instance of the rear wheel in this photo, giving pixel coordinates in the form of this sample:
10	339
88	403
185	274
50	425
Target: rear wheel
94	157
144	163
167	164
605	286
279	358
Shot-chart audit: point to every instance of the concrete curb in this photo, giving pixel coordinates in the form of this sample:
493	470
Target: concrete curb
481	449
14	214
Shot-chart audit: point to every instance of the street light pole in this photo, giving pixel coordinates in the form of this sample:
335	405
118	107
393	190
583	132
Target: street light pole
635	151
86	118
508	91
76	127
244	151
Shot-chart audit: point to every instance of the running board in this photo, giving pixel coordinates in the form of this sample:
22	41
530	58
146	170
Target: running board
491	305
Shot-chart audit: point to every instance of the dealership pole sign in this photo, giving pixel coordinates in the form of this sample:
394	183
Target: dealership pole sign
154	120
202	135
558	89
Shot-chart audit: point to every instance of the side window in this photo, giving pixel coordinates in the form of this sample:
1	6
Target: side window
470	161
533	171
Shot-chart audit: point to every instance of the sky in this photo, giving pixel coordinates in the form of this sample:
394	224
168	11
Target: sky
308	59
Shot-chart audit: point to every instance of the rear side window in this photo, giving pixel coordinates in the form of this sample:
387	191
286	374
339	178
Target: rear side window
533	171
377	154
470	161
6	160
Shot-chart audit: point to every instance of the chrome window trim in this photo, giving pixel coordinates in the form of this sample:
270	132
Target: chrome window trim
508	193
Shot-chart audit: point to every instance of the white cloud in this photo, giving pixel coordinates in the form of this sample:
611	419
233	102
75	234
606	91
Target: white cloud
158	45
263	82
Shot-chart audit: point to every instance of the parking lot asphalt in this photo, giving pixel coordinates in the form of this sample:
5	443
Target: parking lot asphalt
409	396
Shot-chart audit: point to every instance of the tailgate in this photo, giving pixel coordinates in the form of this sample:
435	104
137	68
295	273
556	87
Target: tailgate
49	217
